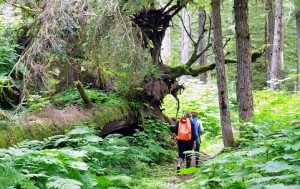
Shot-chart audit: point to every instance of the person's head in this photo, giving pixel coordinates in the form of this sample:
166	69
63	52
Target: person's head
187	114
195	114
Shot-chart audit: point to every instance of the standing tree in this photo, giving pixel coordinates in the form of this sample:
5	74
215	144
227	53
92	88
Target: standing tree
202	59
244	64
269	33
297	5
228	139
276	45
166	43
185	40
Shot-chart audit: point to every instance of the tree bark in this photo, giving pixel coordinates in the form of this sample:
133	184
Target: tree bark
227	134
82	93
298	36
8	13
276	45
244	64
202	59
281	55
185	40
166	47
270	34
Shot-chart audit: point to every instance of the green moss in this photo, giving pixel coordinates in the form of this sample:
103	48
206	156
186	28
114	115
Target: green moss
35	130
108	113
108	110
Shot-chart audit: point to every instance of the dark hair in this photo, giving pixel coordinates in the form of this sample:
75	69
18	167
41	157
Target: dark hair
195	114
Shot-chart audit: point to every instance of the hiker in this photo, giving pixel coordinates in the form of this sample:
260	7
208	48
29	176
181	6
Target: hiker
185	131
199	129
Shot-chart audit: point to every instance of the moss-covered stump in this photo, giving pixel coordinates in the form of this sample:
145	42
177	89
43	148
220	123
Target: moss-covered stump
49	121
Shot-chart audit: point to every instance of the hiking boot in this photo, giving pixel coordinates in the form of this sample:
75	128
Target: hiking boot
178	169
188	164
197	164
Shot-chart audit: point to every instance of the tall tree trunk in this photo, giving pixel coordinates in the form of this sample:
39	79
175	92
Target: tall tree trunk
166	46
166	43
185	41
228	139
270	34
8	13
282	75
244	64
276	45
202	59
298	36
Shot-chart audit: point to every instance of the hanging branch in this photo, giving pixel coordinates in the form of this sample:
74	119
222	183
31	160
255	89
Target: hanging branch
189	33
196	54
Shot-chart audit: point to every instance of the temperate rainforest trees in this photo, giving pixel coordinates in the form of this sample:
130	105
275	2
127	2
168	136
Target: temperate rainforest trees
297	5
276	45
115	45
228	139
244	64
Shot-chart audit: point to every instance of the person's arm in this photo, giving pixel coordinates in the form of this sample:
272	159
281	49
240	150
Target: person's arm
176	128
201	129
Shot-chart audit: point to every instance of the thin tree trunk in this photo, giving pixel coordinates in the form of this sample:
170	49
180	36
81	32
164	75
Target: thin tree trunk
8	13
202	59
282	75
270	34
185	41
166	47
298	36
244	64
227	133
276	45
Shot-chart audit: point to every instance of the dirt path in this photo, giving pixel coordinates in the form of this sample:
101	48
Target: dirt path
176	180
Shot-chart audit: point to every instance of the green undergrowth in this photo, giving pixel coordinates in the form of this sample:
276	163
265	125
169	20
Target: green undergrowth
268	156
81	159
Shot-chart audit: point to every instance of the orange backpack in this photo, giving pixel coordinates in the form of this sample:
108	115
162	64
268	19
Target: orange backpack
184	130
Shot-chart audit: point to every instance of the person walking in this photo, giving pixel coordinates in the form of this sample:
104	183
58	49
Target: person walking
198	129
186	138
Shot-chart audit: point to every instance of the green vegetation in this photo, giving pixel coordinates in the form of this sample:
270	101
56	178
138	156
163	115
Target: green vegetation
50	137
80	159
267	156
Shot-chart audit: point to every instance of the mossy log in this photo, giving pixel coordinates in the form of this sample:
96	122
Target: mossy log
49	121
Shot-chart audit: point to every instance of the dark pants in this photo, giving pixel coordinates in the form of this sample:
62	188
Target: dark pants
184	146
197	149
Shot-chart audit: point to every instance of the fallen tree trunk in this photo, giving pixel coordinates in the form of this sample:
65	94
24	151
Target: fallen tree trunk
49	121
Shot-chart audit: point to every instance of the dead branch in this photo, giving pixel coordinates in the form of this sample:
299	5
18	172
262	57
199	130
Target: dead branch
82	93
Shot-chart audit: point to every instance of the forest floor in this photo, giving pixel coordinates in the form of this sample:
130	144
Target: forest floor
177	179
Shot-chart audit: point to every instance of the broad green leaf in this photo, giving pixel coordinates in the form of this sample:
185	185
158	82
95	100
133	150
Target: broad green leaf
74	153
79	131
276	166
281	186
36	175
264	179
63	183
190	170
93	138
78	165
294	147
298	155
257	151
19	152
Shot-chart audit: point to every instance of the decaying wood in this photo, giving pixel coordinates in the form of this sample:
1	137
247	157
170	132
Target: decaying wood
83	94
